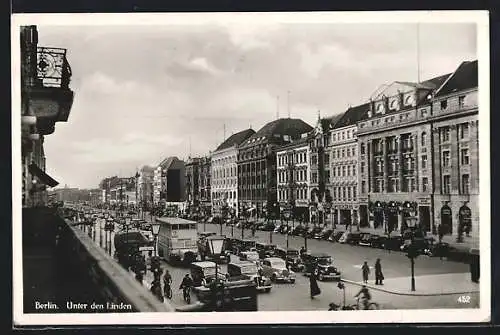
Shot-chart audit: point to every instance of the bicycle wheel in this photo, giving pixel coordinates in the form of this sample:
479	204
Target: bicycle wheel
373	305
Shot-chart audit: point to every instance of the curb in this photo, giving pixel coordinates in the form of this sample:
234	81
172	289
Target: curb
407	293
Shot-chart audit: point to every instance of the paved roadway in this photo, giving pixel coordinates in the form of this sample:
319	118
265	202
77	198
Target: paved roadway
348	259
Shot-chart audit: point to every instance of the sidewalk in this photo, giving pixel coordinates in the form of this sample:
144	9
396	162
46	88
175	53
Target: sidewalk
428	285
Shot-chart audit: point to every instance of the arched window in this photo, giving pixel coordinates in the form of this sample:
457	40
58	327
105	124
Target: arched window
424	138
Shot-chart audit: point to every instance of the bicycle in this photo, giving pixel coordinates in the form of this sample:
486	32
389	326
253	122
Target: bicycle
167	291
370	306
187	294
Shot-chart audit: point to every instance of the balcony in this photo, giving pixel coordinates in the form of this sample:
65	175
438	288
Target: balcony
50	98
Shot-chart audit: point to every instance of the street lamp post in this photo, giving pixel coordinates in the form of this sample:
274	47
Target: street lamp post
155	229
412	250
100	230
287	216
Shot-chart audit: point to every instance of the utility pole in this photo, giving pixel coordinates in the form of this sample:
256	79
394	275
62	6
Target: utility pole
418	53
277	107
288	103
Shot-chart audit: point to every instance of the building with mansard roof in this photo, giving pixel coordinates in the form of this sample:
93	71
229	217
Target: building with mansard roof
257	184
224	173
341	160
455	155
418	154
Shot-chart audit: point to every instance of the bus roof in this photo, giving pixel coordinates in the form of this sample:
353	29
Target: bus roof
173	220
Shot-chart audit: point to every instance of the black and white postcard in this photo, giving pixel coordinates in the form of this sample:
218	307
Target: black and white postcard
225	168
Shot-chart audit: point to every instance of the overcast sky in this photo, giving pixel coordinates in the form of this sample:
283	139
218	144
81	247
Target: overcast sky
145	93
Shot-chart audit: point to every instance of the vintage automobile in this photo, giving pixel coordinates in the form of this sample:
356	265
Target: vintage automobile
321	265
323	234
291	257
421	244
350	238
335	236
377	241
269	226
312	231
277	228
265	250
439	249
204	272
248	245
415	237
206	234
298	230
365	240
393	242
275	268
251	270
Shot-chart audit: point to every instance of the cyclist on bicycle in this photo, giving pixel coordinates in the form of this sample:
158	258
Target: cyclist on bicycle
365	296
187	283
167	281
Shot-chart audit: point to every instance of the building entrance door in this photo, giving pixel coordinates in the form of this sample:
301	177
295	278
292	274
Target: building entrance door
424	217
378	219
446	220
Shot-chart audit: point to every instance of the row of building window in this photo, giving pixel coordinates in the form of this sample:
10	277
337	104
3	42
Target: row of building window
299	176
341	153
221	172
343	193
224	195
344	135
300	194
299	157
344	171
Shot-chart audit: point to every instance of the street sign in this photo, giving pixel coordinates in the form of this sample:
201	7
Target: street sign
146	248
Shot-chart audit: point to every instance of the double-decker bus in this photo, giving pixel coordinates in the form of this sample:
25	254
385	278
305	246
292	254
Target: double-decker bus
177	240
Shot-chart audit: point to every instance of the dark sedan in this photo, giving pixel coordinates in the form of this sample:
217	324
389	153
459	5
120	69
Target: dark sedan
298	230
324	234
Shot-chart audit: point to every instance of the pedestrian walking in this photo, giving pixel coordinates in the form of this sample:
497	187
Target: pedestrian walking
366	271
313	285
379	276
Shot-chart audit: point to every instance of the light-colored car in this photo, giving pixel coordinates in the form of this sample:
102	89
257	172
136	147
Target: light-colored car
247	268
275	268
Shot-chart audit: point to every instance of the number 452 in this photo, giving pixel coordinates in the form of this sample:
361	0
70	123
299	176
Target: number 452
464	299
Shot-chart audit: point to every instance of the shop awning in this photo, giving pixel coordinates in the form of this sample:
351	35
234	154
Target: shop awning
42	176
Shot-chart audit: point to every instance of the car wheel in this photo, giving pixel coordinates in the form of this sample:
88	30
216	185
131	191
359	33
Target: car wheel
292	281
273	278
320	277
268	290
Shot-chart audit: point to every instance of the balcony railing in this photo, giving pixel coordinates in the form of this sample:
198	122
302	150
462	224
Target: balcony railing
53	69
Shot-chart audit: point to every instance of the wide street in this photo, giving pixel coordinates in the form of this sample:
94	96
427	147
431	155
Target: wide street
396	268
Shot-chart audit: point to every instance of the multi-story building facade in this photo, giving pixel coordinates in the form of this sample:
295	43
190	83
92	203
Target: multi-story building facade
204	184
454	154
342	158
224	172
257	172
320	196
192	182
45	99
168	181
292	177
395	178
145	186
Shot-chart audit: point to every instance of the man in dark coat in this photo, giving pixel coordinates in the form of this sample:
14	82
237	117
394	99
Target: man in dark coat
313	285
366	271
379	276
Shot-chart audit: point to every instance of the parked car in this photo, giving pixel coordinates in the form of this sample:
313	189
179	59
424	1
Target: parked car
440	249
365	240
277	228
324	234
269	226
265	250
421	244
377	241
393	243
275	268
350	238
335	236
291	257
205	234
312	231
298	230
321	266
250	269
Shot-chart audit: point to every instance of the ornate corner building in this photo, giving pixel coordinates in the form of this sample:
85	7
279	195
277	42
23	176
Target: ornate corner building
45	99
418	154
